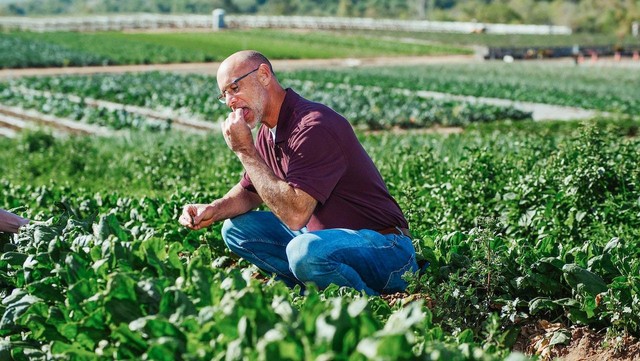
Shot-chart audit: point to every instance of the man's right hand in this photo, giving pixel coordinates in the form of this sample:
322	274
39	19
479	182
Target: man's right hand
196	216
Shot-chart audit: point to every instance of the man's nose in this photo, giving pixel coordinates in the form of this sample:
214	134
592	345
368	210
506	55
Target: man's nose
230	99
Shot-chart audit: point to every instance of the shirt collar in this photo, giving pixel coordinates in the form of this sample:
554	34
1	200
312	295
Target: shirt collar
273	133
285	116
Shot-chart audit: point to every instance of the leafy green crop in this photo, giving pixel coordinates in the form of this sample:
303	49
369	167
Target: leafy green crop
517	225
118	294
607	89
17	52
59	106
365	107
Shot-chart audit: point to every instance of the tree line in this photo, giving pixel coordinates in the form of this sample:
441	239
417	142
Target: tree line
589	16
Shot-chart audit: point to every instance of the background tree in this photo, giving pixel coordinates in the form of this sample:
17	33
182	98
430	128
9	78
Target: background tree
596	16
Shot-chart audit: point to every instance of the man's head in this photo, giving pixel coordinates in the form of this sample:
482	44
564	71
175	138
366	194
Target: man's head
246	81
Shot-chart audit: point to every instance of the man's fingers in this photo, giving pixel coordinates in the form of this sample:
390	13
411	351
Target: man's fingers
185	220
197	218
187	217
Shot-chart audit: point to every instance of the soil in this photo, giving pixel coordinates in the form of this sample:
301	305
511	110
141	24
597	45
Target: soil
535	338
404	298
212	68
294	64
584	344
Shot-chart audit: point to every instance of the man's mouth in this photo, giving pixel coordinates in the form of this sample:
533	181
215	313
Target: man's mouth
245	112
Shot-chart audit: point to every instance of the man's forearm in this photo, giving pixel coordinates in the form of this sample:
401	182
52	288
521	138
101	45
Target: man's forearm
285	201
237	201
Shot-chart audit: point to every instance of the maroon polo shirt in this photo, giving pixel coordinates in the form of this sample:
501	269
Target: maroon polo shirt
317	151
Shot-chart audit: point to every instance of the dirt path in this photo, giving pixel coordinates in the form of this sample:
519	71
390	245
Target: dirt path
212	68
539	111
16	118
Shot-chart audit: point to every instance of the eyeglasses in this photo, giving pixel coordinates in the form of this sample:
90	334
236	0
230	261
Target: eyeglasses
233	87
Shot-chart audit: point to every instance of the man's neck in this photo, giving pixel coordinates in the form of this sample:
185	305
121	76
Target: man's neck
273	113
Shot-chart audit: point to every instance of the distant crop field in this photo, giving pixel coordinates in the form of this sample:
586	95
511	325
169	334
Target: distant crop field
371	98
503	40
26	49
608	89
373	107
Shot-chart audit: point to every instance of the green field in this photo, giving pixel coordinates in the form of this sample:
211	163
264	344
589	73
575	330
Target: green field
377	107
608	89
25	49
551	213
521	221
371	98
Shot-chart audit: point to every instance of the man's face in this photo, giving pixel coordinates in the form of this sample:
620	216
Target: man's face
241	89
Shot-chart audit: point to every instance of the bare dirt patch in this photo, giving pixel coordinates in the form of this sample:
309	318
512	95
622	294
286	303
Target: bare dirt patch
212	68
584	344
403	298
22	117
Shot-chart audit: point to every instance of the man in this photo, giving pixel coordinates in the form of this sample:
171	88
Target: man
10	222
331	218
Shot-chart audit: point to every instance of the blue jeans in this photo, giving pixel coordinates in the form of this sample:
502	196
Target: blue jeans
364	259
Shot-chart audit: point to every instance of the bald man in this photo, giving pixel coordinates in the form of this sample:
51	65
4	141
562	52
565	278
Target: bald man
331	218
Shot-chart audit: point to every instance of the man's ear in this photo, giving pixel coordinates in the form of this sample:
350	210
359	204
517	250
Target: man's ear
264	74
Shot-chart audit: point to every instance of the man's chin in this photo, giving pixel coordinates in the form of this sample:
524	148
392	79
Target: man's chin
252	124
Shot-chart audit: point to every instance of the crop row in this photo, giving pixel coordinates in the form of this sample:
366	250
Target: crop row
364	107
385	108
60	106
607	89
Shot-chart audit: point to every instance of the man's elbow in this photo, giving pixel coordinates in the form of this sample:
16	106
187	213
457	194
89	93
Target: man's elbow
297	213
296	222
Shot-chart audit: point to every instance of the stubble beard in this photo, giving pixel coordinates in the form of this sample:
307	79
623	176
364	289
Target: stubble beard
258	112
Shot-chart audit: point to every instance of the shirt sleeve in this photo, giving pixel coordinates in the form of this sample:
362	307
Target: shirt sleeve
317	162
246	183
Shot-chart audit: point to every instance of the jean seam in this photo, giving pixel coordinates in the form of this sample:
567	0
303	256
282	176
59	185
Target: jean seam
272	268
343	278
412	257
256	240
405	267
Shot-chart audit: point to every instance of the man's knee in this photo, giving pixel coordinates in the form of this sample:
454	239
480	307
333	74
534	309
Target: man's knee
303	261
232	231
227	226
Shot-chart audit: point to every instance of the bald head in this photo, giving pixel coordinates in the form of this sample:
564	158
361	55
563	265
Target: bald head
243	59
246	81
